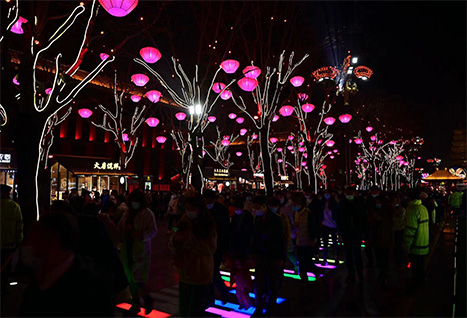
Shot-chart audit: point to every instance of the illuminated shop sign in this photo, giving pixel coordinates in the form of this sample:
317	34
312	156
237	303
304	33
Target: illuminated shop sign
221	173
106	166
5	158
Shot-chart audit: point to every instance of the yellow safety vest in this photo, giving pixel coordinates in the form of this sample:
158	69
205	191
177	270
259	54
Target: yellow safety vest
416	235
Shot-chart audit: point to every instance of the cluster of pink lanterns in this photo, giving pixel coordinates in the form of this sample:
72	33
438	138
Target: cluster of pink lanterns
154	96
150	54
118	8
152	121
180	116
286	110
139	79
85	113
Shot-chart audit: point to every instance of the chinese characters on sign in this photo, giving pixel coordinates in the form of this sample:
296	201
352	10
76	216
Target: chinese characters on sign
221	172
5	158
106	166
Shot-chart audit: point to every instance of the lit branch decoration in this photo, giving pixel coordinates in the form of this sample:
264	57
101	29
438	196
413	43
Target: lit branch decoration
3	116
182	146
113	123
220	151
256	167
12	17
47	142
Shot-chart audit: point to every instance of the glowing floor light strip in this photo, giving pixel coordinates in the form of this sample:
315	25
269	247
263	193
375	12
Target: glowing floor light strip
225	313
325	266
153	314
236	307
279	300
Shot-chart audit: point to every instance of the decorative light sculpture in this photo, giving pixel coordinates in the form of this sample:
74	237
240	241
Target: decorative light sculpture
118	8
161	139
232	115
301	149
273	140
104	56
243	131
152	121
303	163
48	90
225	142
230	66
329	120
286	110
279	160
139	79
150	54
330	143
335	150
290	147
332	157
135	98
297	81
247	84
363	72
15	80
254	136
358	141
238	153
218	87
279	149
275	118
251	71
125	137
373	138
85	113
326	72
240	120
345	118
291	137
180	116
17	28
153	96
369	128
302	96
225	95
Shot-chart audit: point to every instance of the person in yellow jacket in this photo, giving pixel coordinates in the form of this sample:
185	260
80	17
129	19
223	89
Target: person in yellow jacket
416	238
455	202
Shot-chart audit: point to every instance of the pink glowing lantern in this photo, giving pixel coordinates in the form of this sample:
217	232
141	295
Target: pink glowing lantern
254	136
247	84
329	120
290	147
380	142
329	152
323	167
279	160
238	153
300	143
358	141
153	96
273	140
139	79
303	163
308	108
150	54
332	157
240	120
118	8
125	137
232	116
225	142
152	121
369	128
135	98
330	143
320	141
335	150
291	137
85	113
161	139
211	119
218	87
15	80
399	158
180	116
279	149
243	169
302	96
48	91
345	118
393	142
17	28
406	163
104	56
230	66
301	149
297	81
350	141
373	138
286	110
243	132
305	155
251	71
225	95
227	137
275	118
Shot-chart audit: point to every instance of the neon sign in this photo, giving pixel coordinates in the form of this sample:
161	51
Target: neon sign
106	166
221	172
5	158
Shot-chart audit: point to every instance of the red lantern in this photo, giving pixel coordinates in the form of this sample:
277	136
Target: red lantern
118	8
85	113
251	71
139	79
16	28
230	66
225	95
286	111
153	96
180	116
247	84
329	120
218	87
135	98
161	139
345	118
103	56
152	121
308	108
150	54
297	81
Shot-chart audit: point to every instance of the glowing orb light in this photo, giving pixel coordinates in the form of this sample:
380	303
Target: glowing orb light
303	163
139	79
286	110
152	121
251	71
247	84
85	113
15	80
230	66
180	116
297	81
118	8
218	87
150	54
329	120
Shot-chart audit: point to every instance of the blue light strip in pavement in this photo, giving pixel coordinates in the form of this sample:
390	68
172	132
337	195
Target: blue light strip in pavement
252	295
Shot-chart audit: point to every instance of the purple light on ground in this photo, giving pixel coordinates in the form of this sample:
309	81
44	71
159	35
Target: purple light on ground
225	313
290	271
325	266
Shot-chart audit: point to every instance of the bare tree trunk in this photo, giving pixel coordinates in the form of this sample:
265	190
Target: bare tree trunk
266	159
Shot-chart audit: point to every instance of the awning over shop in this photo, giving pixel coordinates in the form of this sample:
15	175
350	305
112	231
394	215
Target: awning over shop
442	175
92	166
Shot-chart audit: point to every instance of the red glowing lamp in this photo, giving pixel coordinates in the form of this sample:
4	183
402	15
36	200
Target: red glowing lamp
308	108
150	54
329	120
297	81
286	110
153	96
345	118
230	66
218	87
139	79
180	116
118	8
85	113
17	28
135	98
251	71
152	121
247	84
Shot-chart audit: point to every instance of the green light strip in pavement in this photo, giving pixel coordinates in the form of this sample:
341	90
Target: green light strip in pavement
295	276
226	278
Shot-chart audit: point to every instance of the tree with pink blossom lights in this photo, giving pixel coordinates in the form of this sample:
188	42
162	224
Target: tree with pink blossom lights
219	153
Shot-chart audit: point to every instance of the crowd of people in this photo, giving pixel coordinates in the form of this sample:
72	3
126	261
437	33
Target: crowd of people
88	248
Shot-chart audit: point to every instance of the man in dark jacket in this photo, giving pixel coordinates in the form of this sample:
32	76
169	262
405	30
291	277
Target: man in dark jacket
351	223
269	252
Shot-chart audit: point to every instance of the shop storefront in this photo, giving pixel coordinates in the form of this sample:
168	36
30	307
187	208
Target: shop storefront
91	174
8	167
219	179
